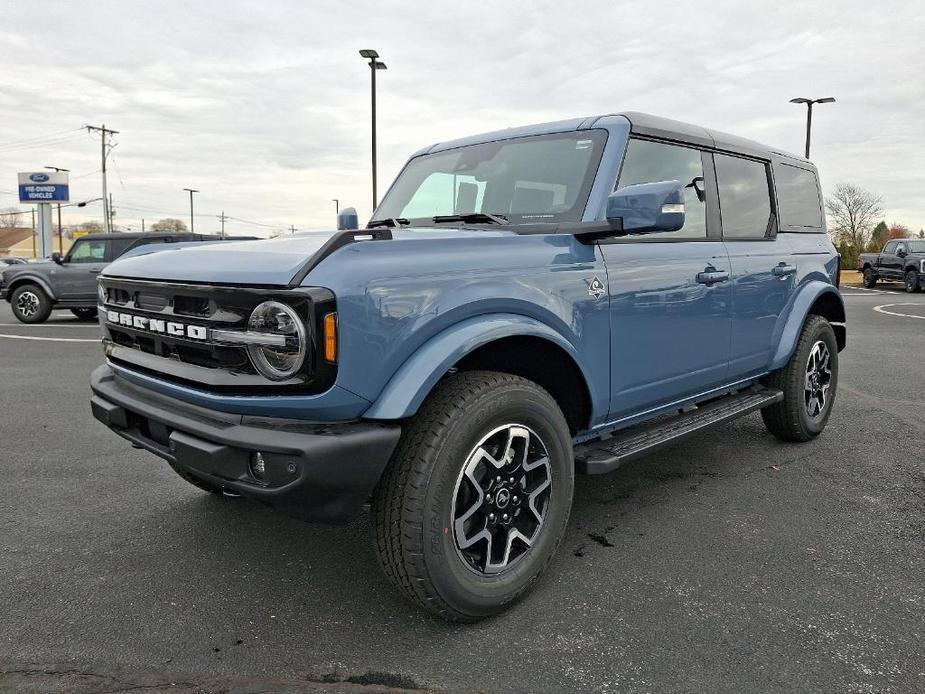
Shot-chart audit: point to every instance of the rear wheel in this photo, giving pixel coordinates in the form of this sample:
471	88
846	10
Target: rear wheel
84	313
476	497
912	281
809	382
30	304
870	279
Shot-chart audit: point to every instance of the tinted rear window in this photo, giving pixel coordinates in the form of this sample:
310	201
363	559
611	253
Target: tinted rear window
744	197
798	197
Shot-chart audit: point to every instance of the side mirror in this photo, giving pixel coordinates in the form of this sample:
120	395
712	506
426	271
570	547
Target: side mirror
648	207
57	258
901	253
347	219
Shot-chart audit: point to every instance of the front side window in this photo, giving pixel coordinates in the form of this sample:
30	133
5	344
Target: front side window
900	248
544	178
88	251
744	197
651	162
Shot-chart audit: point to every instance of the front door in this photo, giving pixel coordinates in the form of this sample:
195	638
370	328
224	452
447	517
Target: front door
764	268
670	295
75	278
890	263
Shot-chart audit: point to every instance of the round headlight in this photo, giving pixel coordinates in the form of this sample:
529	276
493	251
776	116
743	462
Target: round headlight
277	361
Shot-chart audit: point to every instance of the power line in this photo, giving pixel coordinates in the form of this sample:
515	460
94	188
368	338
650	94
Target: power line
28	140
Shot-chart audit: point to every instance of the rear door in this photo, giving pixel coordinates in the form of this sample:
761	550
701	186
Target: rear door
764	269
670	298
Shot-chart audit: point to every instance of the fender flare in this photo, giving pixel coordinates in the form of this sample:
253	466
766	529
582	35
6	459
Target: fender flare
788	331
413	381
28	278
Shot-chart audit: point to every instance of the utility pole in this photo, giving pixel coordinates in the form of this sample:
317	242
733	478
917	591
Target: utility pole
105	133
292	229
222	218
112	214
142	225
33	233
191	191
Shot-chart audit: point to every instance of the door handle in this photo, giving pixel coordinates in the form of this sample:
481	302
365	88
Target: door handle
712	276
783	269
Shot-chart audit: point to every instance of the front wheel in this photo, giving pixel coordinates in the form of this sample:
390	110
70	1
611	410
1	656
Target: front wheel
476	497
30	304
870	279
912	281
809	382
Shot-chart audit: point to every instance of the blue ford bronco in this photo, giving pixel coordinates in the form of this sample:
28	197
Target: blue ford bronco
523	306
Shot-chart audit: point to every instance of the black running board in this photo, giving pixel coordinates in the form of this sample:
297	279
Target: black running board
599	457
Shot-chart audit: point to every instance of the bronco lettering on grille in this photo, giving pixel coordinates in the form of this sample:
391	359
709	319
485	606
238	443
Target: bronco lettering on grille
157	325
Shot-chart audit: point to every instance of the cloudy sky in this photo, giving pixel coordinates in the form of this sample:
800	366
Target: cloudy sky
264	106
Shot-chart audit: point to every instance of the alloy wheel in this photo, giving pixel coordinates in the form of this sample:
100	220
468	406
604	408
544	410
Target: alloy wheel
27	304
818	379
501	498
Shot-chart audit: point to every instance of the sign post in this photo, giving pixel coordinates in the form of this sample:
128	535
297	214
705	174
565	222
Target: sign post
43	189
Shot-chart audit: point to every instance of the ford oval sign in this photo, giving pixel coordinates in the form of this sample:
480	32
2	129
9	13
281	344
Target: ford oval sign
39	177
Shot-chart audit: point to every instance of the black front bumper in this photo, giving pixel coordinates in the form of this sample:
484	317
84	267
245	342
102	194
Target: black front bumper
314	471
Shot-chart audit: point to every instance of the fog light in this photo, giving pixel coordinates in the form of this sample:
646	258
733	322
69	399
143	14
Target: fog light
258	465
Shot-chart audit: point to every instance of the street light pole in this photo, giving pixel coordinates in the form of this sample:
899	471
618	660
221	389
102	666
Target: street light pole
191	191
336	202
374	65
809	114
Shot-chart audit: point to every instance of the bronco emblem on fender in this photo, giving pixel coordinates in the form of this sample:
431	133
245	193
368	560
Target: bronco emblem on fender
596	288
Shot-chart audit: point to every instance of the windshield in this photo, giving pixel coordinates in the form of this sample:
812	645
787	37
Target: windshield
544	178
917	246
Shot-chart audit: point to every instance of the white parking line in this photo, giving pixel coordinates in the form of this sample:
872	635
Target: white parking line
869	291
48	339
882	309
48	325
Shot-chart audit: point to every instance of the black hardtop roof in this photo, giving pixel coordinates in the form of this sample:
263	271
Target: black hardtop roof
666	128
137	235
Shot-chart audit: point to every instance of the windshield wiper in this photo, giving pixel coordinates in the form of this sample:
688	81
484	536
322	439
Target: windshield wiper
472	218
388	222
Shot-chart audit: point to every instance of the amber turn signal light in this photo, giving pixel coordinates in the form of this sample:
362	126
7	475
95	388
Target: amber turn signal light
330	337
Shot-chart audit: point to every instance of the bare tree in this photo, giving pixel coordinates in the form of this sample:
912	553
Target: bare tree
168	224
852	213
9	217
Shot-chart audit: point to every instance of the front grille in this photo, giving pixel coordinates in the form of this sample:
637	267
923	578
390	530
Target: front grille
200	362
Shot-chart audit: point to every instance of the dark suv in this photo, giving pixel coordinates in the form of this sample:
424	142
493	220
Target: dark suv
69	281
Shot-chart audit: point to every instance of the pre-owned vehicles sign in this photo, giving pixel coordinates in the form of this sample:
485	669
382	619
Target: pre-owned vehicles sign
43	186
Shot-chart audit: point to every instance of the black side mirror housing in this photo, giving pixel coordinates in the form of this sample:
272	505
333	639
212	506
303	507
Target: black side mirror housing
57	258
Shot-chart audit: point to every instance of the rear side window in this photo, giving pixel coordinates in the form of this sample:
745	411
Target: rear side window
744	197
798	197
119	246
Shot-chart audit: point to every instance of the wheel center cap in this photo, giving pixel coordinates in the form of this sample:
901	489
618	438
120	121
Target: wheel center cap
502	498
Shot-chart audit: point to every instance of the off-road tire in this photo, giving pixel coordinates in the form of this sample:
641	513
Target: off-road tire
870	279
41	301
412	506
84	313
911	282
789	420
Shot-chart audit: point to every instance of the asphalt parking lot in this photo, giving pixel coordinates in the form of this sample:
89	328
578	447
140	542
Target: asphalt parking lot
732	563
